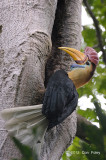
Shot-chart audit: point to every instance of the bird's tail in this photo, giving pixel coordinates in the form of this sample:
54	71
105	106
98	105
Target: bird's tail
21	121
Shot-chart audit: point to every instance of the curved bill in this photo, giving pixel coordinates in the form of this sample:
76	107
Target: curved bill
79	57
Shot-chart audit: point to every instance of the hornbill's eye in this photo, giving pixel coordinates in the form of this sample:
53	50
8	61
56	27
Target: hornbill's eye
87	63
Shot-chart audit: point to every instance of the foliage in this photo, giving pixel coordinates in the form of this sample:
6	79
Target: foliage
97	86
89	34
26	151
89	114
95	148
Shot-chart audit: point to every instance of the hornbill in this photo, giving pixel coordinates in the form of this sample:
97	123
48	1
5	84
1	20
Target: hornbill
60	100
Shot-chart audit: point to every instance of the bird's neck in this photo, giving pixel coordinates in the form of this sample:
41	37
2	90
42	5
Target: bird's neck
80	76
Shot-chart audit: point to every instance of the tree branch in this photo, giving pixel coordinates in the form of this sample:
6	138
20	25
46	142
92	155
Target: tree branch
98	30
80	130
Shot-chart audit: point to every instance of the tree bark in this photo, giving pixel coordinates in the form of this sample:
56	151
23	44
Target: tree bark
25	45
66	32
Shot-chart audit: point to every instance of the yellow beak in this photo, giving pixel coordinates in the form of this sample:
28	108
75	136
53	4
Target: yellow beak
78	56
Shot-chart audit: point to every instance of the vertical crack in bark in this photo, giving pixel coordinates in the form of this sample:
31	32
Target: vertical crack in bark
1	28
26	27
21	21
66	32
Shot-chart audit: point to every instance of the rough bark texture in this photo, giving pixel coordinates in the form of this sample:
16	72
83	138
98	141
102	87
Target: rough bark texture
59	138
25	45
66	32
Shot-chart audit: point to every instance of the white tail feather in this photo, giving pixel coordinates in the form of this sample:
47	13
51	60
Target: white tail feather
20	122
8	113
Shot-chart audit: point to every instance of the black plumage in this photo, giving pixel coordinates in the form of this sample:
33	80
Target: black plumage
60	98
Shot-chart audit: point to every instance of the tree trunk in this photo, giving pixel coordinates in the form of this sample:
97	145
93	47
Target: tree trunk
25	45
66	32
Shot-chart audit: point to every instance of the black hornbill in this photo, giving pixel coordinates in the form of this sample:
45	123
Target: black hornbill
60	99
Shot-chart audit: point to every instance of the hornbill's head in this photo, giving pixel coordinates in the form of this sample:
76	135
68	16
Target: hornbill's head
81	72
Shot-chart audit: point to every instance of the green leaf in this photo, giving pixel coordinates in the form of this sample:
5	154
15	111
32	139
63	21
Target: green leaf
25	150
90	114
89	35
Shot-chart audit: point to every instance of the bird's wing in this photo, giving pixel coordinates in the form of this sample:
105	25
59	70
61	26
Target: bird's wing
60	98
